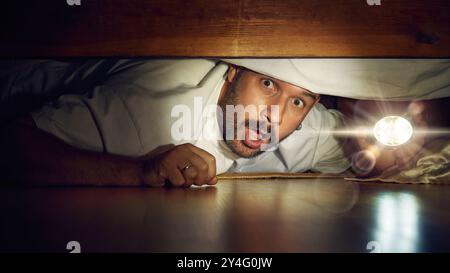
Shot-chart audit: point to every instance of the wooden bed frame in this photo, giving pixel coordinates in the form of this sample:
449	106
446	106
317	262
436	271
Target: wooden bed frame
232	28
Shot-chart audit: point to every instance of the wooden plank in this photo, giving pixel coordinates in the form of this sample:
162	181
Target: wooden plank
257	28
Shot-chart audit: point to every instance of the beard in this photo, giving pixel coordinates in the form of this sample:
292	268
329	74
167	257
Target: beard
236	144
237	147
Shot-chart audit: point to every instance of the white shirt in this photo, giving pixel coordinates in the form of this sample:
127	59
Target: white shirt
130	114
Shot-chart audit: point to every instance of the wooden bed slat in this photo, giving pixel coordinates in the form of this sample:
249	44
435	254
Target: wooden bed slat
261	28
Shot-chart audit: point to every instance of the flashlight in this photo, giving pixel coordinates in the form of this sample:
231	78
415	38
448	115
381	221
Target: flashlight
393	130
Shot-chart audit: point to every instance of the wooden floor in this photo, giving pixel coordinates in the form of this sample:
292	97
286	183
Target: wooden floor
272	215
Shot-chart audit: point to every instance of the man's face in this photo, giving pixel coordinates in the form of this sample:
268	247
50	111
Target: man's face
248	88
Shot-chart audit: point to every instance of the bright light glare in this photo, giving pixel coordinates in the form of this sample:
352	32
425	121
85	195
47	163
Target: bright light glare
393	130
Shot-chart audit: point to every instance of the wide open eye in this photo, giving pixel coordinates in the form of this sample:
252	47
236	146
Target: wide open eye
297	102
268	83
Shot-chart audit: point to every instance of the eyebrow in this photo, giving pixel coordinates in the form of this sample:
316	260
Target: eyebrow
304	91
311	95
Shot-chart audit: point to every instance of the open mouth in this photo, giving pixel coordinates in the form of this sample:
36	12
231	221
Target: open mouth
255	138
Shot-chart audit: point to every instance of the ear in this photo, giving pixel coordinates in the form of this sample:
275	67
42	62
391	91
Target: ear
232	72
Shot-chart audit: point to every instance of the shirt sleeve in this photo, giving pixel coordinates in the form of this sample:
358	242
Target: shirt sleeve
329	156
119	114
98	120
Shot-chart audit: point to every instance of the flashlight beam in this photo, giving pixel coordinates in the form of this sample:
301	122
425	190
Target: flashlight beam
366	131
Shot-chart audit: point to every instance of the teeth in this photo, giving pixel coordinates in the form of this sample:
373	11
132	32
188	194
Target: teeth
260	134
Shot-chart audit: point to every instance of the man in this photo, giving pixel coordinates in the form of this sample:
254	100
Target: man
119	131
124	128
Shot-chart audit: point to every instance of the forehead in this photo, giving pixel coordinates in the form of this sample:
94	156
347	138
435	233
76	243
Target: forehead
282	84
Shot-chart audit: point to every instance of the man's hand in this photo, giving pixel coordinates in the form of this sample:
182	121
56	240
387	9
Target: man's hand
181	166
33	157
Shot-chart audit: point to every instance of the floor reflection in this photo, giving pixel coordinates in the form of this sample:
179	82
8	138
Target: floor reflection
279	216
397	222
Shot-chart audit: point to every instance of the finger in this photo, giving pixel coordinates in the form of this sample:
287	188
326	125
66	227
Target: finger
208	158
190	175
172	173
198	163
198	168
176	162
201	168
176	178
213	181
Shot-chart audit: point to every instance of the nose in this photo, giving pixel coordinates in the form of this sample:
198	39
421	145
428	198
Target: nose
265	114
275	110
265	120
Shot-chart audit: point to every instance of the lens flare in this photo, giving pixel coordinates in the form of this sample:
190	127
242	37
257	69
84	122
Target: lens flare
393	130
